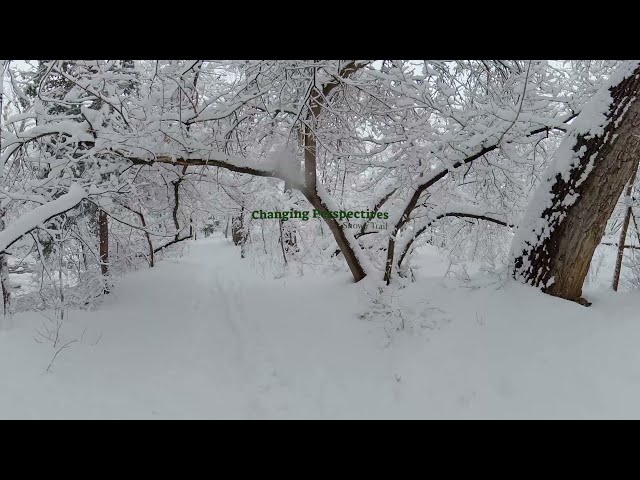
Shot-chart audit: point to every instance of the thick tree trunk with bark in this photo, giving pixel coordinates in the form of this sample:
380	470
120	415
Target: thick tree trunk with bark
577	203
311	193
311	190
339	234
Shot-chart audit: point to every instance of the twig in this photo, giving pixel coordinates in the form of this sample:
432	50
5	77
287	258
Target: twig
94	344
58	351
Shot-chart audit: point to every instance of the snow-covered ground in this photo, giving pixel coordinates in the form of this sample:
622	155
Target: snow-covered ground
206	336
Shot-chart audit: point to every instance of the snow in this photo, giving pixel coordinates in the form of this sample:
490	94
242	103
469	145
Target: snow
207	336
286	163
41	214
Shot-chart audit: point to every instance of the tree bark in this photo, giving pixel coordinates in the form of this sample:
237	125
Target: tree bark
310	190
146	234
282	242
4	280
236	228
311	193
582	199
103	226
4	273
287	231
176	205
338	233
239	232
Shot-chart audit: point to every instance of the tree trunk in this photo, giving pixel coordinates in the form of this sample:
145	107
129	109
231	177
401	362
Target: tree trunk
388	267
4	281
148	237
282	242
339	234
4	267
635	226
4	273
239	232
311	193
623	234
85	260
176	202
103	226
236	229
176	205
287	230
567	219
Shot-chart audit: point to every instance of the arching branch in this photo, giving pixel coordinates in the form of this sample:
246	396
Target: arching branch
420	231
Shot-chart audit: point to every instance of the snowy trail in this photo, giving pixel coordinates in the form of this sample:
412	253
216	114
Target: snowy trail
206	336
199	336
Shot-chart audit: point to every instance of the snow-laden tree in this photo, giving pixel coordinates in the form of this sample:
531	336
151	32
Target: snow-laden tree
567	215
450	151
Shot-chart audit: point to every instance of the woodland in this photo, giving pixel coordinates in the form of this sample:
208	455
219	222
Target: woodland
508	174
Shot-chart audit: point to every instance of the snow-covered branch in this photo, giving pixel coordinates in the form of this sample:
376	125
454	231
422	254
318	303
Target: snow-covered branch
39	215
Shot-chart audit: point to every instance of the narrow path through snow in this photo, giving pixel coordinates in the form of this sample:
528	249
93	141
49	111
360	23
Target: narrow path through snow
201	336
